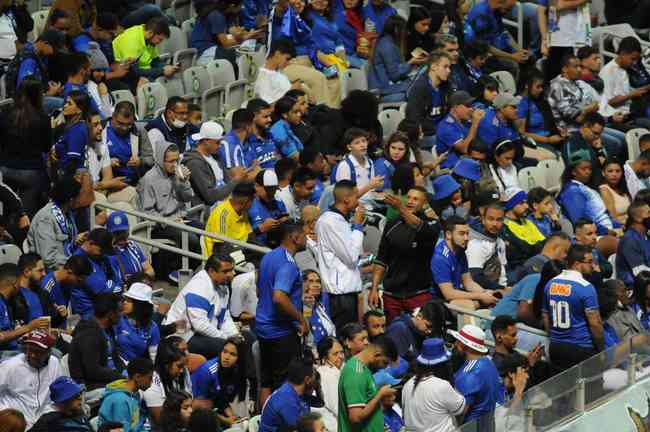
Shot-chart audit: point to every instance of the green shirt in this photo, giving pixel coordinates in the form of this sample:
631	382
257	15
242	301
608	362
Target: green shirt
131	45
356	389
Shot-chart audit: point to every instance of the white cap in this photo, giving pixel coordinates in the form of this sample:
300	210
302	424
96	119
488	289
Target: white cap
269	178
209	130
472	337
141	292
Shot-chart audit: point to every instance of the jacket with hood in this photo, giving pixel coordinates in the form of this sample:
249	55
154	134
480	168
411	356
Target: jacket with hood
56	421
481	247
207	188
407	338
120	405
88	357
161	194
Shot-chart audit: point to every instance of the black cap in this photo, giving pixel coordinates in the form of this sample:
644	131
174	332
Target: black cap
486	197
54	38
460	97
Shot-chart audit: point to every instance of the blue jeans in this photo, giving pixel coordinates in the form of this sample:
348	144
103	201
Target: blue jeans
141	15
531	26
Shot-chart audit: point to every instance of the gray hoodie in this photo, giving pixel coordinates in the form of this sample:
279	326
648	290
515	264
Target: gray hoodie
161	194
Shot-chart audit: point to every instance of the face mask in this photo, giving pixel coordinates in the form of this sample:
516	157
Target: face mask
178	124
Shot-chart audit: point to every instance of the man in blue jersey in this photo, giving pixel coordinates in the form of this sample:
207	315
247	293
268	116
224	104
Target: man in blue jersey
477	379
231	150
29	304
58	283
106	276
259	146
633	253
267	213
129	256
450	269
279	322
570	312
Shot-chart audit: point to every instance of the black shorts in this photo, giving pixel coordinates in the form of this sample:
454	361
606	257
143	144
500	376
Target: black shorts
276	354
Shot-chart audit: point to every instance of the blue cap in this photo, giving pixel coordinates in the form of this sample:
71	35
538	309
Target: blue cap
63	389
383	378
433	352
444	186
515	199
117	221
468	168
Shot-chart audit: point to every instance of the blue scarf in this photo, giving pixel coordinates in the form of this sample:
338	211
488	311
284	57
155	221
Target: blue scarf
67	227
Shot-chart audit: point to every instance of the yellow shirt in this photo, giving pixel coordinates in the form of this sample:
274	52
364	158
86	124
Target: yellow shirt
526	231
225	221
131	45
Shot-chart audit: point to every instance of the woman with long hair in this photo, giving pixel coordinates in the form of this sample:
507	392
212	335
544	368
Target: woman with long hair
331	355
535	117
578	197
419	30
389	73
170	374
70	147
320	321
396	152
503	169
428	397
614	190
26	135
287	112
488	89
176	412
137	334
219	381
331	51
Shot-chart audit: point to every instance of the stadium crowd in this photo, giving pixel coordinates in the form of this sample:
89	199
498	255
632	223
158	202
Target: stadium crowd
375	235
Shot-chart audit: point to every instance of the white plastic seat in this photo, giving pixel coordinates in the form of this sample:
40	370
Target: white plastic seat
632	138
186	27
506	81
222	75
181	10
353	79
530	177
389	120
185	58
9	254
175	42
552	170
40	20
173	85
199	88
151	97
123	95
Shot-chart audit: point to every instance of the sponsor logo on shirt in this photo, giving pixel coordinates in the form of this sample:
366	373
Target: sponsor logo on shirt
559	289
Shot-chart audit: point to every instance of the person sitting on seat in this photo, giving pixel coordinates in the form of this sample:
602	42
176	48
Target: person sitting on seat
172	125
68	413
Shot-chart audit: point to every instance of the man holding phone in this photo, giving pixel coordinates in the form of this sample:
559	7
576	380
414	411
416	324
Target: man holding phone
267	213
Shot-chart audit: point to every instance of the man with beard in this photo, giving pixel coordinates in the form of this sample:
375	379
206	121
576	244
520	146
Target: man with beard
586	235
450	270
477	379
259	146
523	238
106	276
633	253
636	171
279	322
287	404
359	398
570	312
486	251
78	75
404	255
31	302
68	414
25	378
56	286
129	146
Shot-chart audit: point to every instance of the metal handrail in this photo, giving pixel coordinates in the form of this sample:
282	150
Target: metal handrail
178	226
520	326
601	43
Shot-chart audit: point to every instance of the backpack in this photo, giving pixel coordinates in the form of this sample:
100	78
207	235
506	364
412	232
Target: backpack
14	67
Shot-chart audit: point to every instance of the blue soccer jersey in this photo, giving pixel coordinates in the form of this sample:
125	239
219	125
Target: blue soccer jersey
479	382
567	299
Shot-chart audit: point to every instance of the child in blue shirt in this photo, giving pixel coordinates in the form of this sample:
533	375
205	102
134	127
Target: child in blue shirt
288	112
543	213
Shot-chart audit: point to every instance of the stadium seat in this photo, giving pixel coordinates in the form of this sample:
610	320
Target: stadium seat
353	79
389	120
173	85
254	423
175	42
9	254
40	19
199	88
222	75
123	95
151	97
6	105
186	27
185	58
552	170
181	10
632	137
506	81
531	177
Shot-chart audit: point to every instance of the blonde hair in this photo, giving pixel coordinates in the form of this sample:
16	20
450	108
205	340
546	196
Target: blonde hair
310	214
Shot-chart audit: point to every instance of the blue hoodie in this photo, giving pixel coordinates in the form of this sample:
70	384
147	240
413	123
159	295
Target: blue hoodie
121	406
